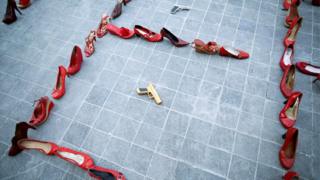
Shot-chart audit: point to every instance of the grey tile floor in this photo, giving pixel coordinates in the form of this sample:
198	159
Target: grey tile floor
219	119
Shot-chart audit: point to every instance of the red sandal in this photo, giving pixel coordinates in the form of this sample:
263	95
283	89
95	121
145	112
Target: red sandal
102	29
101	173
288	114
60	87
287	153
288	81
89	48
147	34
122	32
41	111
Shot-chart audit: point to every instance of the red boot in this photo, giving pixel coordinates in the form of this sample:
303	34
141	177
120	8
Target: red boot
103	173
41	111
77	158
24	4
316	2
289	112
287	81
75	61
291	175
287	153
60	87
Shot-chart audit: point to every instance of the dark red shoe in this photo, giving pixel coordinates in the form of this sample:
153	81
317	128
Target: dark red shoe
316	2
75	61
117	10
287	57
288	114
77	158
286	4
147	34
291	175
307	68
90	39
288	81
173	39
60	87
103	173
287	153
232	52
293	13
21	132
24	4
47	148
41	111
291	35
10	15
122	32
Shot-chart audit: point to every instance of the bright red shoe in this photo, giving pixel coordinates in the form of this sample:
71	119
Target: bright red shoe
101	173
89	48
288	114
293	13
75	61
24	4
287	57
60	87
173	39
287	153
286	4
102	29
291	175
77	158
288	81
122	32
41	111
307	68
47	148
316	2
291	35
232	52
147	34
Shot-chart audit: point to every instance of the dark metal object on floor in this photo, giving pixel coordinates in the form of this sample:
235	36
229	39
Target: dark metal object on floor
176	9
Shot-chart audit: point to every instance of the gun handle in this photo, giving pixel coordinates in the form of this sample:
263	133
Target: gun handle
142	91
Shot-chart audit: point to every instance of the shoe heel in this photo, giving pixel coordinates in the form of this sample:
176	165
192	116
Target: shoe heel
16	8
284	136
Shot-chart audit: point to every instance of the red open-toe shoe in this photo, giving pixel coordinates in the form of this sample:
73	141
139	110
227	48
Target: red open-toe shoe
210	48
287	57
286	4
41	111
288	81
287	153
89	48
288	114
117	10
102	29
60	87
291	35
47	148
24	4
101	173
75	61
21	132
293	13
291	175
307	68
147	34
122	32
77	158
173	39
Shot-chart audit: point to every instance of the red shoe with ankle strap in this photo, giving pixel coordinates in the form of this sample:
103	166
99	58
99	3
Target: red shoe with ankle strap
24	4
77	158
291	175
287	57
286	4
75	61
47	148
102	29
316	2
90	39
288	114
307	68
122	32
60	87
287	153
147	34
101	173
288	81
41	111
293	13
291	35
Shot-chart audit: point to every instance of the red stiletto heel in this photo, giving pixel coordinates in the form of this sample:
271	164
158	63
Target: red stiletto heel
293	13
288	114
60	87
10	15
41	111
75	61
122	32
101	173
102	29
147	34
287	57
291	35
287	153
47	148
77	158
173	39
291	175
288	81
24	4
89	49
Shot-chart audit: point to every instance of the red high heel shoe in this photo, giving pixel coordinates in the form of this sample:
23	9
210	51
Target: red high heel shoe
286	4
41	111
293	13
307	68
291	175
102	29
287	57
316	2
47	148
288	114
117	10
287	81
122	32
291	35
77	158
10	15
103	173
89	49
21	132
75	61
60	87
24	4
173	39
287	153
147	34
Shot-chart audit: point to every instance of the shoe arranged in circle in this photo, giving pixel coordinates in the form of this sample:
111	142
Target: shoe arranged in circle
293	13
103	173
287	153
76	60
291	175
288	114
172	38
41	111
122	32
90	39
60	88
288	81
77	158
147	34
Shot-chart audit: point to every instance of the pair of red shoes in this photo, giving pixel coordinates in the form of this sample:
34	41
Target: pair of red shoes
21	142
74	66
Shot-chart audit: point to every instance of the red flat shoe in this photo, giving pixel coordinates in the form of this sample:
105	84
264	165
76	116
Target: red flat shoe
60	87
101	173
77	158
102	29
147	34
210	48
291	175
173	39
117	10
21	132
286	4
122	32
287	57
287	81
75	61
287	153
291	35
316	2
307	68
47	148
41	111
288	114
232	52
24	4
89	48
293	13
